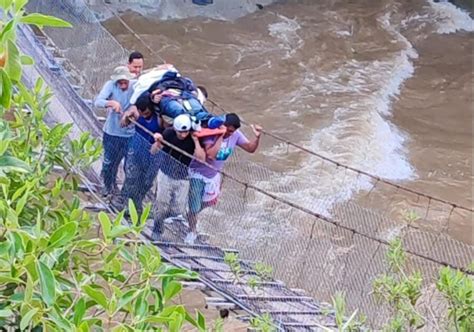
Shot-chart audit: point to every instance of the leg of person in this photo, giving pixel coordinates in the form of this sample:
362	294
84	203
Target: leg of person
162	203
171	107
123	145
120	201
196	190
180	197
111	162
148	178
133	176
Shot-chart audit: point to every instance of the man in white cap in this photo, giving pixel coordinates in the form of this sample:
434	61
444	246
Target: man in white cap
173	181
115	96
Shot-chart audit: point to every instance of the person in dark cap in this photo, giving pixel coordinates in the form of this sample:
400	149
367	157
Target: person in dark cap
142	166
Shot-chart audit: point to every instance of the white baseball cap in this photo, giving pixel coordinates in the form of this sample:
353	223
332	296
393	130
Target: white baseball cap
182	123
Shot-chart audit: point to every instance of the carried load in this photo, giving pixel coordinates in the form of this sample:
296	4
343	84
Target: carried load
172	94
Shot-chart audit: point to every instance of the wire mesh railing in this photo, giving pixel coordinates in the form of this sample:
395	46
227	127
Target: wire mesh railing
307	250
90	51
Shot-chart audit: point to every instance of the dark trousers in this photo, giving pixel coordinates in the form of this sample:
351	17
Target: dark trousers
115	149
140	172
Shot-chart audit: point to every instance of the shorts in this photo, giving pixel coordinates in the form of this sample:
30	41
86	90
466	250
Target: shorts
203	192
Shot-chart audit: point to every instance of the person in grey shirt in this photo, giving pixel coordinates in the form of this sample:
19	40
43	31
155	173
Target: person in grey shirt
115	96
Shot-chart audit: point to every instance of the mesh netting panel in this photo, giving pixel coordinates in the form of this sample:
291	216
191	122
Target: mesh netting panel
90	50
342	249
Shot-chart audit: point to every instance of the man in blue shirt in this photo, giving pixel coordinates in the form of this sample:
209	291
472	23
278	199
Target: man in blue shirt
115	96
141	167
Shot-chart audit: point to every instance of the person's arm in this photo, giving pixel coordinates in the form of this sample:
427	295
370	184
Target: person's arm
132	112
155	147
252	146
199	152
102	100
213	148
155	96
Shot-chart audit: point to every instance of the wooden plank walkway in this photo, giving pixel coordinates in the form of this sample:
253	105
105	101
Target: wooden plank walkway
290	310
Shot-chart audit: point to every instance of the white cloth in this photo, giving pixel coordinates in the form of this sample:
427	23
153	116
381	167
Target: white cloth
147	79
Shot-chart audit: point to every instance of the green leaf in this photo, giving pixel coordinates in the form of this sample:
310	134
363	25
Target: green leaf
26	60
112	254
145	214
19	192
21	203
173	288
79	311
6	91
84	327
105	224
25	94
8	279
118	219
4	143
44	20
5	313
5	4
60	321
26	319
201	321
29	288
38	85
12	164
133	212
192	321
141	304
169	310
175	272
121	328
125	253
157	320
126	299
7	30
176	323
63	235
119	231
47	282
13	64
97	295
19	4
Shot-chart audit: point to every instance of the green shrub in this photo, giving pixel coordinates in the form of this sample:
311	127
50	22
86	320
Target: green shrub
56	273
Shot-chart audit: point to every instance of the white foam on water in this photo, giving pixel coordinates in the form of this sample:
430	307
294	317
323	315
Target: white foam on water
286	31
360	133
450	18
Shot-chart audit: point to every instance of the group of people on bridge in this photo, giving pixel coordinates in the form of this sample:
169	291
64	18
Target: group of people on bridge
158	124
